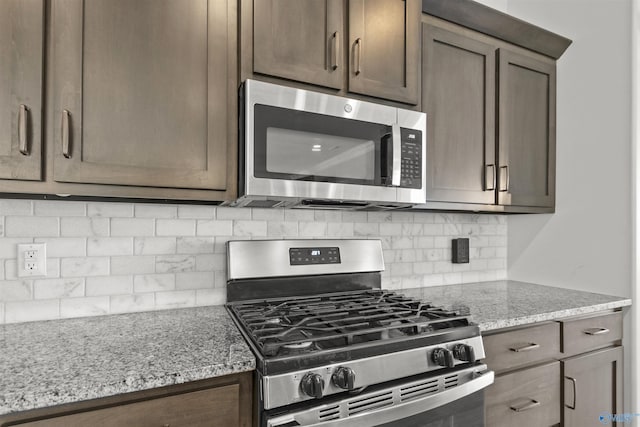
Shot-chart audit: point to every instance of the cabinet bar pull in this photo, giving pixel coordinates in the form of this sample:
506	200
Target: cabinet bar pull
335	52
526	347
526	406
573	382
489	184
358	49
23	137
504	179
65	134
596	331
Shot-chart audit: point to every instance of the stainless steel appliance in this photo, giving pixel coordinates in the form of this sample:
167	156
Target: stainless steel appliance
307	149
333	349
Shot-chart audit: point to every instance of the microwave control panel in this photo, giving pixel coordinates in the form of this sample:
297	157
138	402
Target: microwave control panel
411	167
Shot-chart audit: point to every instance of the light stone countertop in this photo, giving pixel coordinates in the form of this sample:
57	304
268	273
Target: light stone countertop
506	303
63	361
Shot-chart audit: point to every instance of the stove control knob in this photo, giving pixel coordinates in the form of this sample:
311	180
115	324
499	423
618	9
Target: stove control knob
443	357
464	352
343	378
312	385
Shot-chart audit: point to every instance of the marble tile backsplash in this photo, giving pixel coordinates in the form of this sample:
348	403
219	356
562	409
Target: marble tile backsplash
107	258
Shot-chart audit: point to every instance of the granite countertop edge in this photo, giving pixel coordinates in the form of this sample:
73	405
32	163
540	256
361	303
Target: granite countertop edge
553	315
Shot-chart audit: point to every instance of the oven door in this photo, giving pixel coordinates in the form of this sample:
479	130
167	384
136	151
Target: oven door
307	145
453	400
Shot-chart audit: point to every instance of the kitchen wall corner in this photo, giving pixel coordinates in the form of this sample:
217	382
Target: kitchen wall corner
106	258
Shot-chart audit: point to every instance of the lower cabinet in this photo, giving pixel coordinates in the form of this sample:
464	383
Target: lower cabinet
566	372
228	404
592	387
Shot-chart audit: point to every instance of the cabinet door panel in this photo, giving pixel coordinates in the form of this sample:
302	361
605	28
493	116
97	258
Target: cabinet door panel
21	53
300	40
143	87
214	407
384	48
458	75
526	141
592	387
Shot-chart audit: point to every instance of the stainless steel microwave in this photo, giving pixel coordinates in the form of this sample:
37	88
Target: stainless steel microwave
306	149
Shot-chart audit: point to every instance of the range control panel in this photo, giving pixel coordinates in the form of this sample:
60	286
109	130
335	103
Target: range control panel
311	256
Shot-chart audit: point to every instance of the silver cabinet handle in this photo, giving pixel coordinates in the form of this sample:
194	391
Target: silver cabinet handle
573	382
23	137
504	179
532	404
596	331
489	184
66	146
357	58
335	52
397	155
526	347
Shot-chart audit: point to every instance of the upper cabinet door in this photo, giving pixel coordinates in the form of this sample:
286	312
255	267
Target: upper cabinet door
458	87
140	92
300	40
21	55
384	48
527	129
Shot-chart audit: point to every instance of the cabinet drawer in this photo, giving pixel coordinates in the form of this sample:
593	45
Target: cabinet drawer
508	350
212	407
590	333
530	397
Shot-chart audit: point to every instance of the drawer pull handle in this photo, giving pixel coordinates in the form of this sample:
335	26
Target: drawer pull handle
596	331
573	383
534	403
526	347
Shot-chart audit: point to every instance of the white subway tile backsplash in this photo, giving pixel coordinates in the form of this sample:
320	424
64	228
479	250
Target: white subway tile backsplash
84	227
195	280
81	307
31	226
155	211
154	245
28	311
108	285
110	210
124	257
16	207
132	303
132	226
58	288
125	265
16	290
58	208
105	246
175	263
154	283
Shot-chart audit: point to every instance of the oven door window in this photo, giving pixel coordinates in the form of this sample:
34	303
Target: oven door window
298	145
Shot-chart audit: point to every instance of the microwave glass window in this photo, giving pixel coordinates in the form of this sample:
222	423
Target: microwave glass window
310	154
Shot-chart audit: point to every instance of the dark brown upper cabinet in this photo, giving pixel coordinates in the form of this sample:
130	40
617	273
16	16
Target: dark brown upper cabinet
375	52
459	99
21	76
491	122
300	40
140	92
526	130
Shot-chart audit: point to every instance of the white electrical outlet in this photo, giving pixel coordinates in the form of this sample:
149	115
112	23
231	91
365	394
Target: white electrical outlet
32	260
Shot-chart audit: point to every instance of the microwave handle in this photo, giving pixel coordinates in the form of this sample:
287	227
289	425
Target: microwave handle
396	163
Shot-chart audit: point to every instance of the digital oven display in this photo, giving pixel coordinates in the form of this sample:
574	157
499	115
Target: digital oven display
311	256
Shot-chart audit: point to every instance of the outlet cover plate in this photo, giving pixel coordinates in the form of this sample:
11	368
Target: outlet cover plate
32	260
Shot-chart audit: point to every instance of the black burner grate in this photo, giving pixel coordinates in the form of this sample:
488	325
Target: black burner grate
281	327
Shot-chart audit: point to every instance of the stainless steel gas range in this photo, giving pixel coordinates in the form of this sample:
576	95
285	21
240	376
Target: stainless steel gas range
334	349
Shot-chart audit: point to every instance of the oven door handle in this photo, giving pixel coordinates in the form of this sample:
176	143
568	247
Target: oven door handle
392	413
